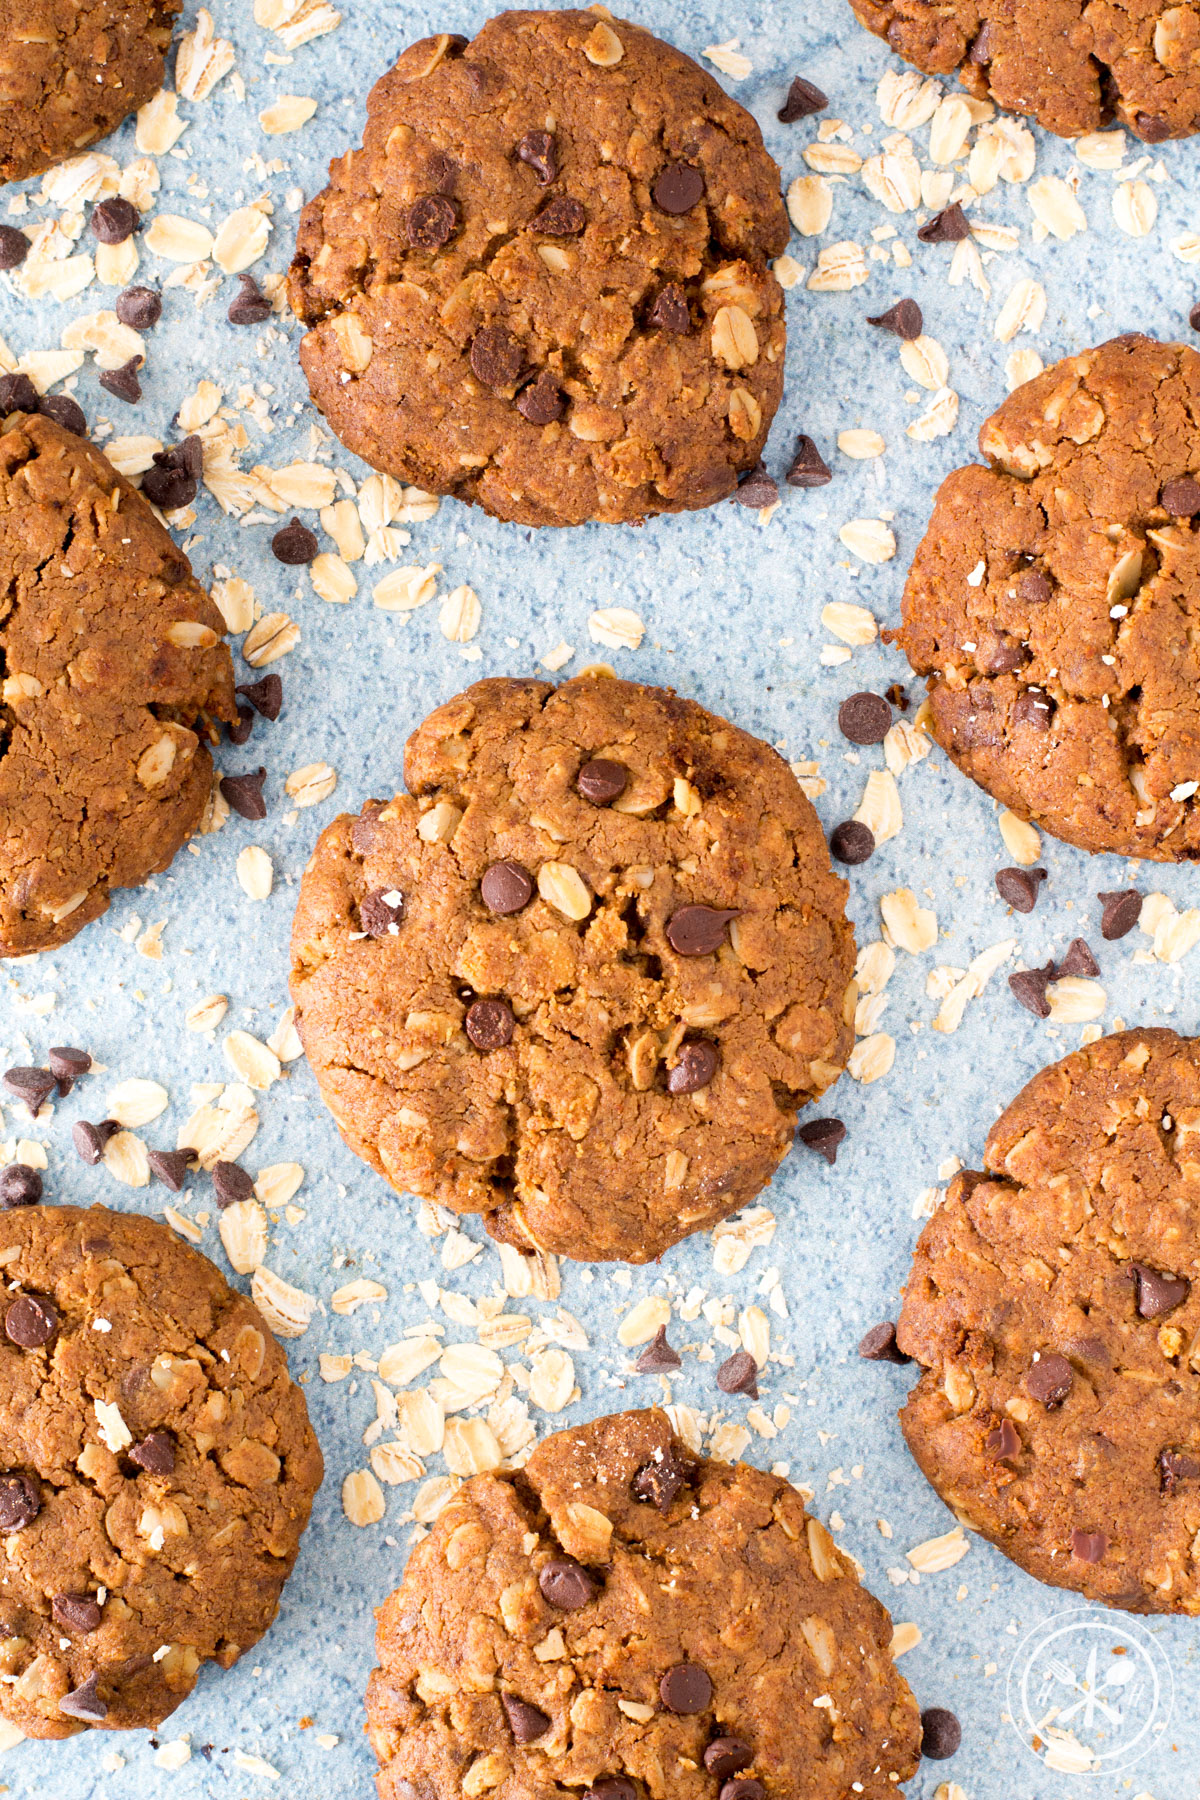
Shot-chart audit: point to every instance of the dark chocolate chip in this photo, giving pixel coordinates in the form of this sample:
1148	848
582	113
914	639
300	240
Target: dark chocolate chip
242	732
744	1789
1151	128
244	794
726	1756
825	1136
865	718
1029	988
265	696
1175	1466
294	544
941	1734
441	171
19	1185
602	781
686	1689
1182	498
526	1722
1194	317
84	1702
904	320
123	383
139	307
561	217
671	311
879	1345
1004	1441
757	489
20	1502
432	221
694	1067
852	842
658	1356
698	930
1122	910
1020	887
566	1584
171	1166
506	888
29	1322
174	478
539	151
657	1483
1077	961
14	247
803	100
1158	1295
17	394
1050	1379
738	1374
611	1787
156	1452
808	468
947	227
1034	707
33	1086
89	1139
381	912
497	358
1088	1546
1003	656
76	1612
1034	588
678	188
114	220
65	412
249	305
543	401
489	1024
231	1184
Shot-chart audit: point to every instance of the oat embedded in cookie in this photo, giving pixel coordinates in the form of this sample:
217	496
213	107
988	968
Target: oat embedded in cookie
1073	65
112	666
622	1618
593	1021
1054	603
542	284
157	1469
1054	1302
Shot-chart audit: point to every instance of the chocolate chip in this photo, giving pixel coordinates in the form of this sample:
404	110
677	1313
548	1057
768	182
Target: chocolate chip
1088	1546
1029	988
231	1184
725	1756
1194	317
602	781
139	307
879	1344
561	217
265	696
1034	588
671	311
543	401
17	394
432	221
245	794
742	1790
174	479
1033	707
1122	910
808	468
686	1689
33	1086
527	1723
29	1322
904	320
698	930
115	220
19	1185
981	46
381	912
611	1787
1182	498
85	1703
658	1356
171	1166
694	1068
757	489
242	732
678	188
489	1024
738	1374
20	1502
156	1452
1050	1379
76	1612
657	1483
89	1139
566	1584
249	305
1020	887
496	357
947	227
1077	961
294	545
865	718
65	412
852	842
506	888
1004	1441
1003	657
539	151
1175	1466
825	1136
14	247
123	383
1151	128
941	1733
803	100
1158	1295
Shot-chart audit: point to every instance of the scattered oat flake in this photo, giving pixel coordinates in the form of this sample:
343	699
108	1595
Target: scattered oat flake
853	624
354	1294
254	1765
255	873
288	1310
159	126
288	113
616	627
939	1553
840	267
879	808
1024	310
296	22
406	589
250	1060
311	784
870	540
729	59
202	60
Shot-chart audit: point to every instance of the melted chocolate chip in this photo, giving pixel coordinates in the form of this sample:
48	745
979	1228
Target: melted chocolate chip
1151	128
686	1689
611	1787
543	401
1175	1466
489	1024
694	1068
678	188
566	1584
742	1789
76	1612
658	1482
698	930
85	1703
506	888
1004	1441
726	1756
1033	707
432	221
1158	1295
1088	1546
539	151
1181	498
156	1452
1034	588
526	1722
602	781
30	1322
1049	1380
561	217
496	357
20	1502
671	311
381	912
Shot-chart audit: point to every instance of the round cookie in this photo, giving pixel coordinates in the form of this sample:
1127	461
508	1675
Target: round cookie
621	1619
113	668
71	70
1054	603
1055	1304
156	1470
1073	65
508	989
542	284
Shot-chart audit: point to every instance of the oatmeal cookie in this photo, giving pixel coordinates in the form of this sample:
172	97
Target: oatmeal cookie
583	975
542	284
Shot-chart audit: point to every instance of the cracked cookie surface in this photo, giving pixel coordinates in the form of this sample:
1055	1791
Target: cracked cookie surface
1054	1302
112	663
157	1469
542	284
558	1633
71	70
1073	65
1054	603
591	1020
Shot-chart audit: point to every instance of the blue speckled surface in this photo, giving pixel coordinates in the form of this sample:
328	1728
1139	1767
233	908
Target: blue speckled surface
733	617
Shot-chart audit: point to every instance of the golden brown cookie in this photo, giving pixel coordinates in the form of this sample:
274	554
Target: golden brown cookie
599	933
1054	603
622	1619
1073	65
1055	1304
113	669
542	284
157	1469
71	70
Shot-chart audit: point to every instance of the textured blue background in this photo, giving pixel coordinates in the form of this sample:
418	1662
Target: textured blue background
733	617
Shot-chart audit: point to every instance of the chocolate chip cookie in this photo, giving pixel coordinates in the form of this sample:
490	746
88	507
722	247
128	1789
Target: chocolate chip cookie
542	283
1055	1303
157	1469
624	1618
112	667
1054	603
71	70
1073	65
600	933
